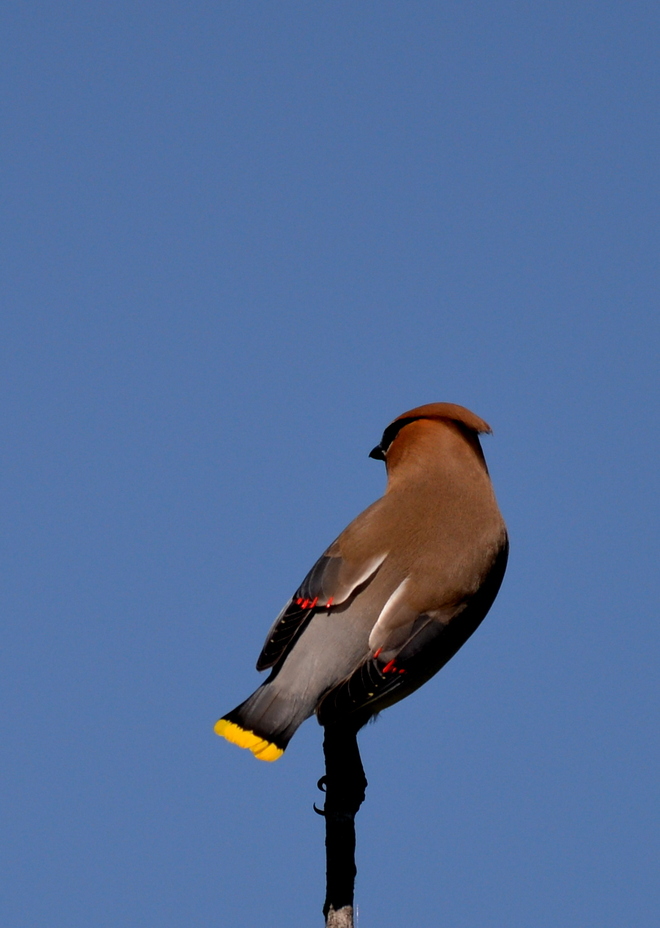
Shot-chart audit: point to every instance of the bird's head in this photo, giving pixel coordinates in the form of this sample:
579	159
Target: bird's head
468	423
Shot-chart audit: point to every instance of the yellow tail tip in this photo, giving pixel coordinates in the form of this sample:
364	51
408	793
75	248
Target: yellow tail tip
262	749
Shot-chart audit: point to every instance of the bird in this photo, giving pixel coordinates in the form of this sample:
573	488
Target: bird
394	597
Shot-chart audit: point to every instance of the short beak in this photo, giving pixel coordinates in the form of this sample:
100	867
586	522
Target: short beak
377	453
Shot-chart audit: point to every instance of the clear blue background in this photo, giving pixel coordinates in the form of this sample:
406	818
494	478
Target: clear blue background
238	239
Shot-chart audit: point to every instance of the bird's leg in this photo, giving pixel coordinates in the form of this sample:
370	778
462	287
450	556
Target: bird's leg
345	785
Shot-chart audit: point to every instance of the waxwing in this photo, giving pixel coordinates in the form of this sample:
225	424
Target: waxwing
394	597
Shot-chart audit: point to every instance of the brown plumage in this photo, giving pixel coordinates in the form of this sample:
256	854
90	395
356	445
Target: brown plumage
395	596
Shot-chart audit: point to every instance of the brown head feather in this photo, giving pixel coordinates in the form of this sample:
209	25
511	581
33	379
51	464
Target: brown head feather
447	411
450	411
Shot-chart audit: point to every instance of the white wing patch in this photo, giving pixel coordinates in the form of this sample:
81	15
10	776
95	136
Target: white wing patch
350	578
394	621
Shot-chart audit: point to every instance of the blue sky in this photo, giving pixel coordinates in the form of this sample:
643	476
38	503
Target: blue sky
238	239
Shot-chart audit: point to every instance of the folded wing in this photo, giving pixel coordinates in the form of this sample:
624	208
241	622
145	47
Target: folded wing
330	583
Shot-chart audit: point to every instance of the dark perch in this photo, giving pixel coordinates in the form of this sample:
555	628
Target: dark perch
344	784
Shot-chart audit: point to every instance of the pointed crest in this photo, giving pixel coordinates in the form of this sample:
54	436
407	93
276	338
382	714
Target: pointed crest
449	411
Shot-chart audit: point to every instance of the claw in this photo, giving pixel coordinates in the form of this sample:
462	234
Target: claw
317	810
320	784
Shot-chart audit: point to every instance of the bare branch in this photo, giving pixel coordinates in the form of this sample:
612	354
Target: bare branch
344	784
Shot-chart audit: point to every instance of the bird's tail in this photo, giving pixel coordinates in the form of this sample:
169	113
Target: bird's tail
264	723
